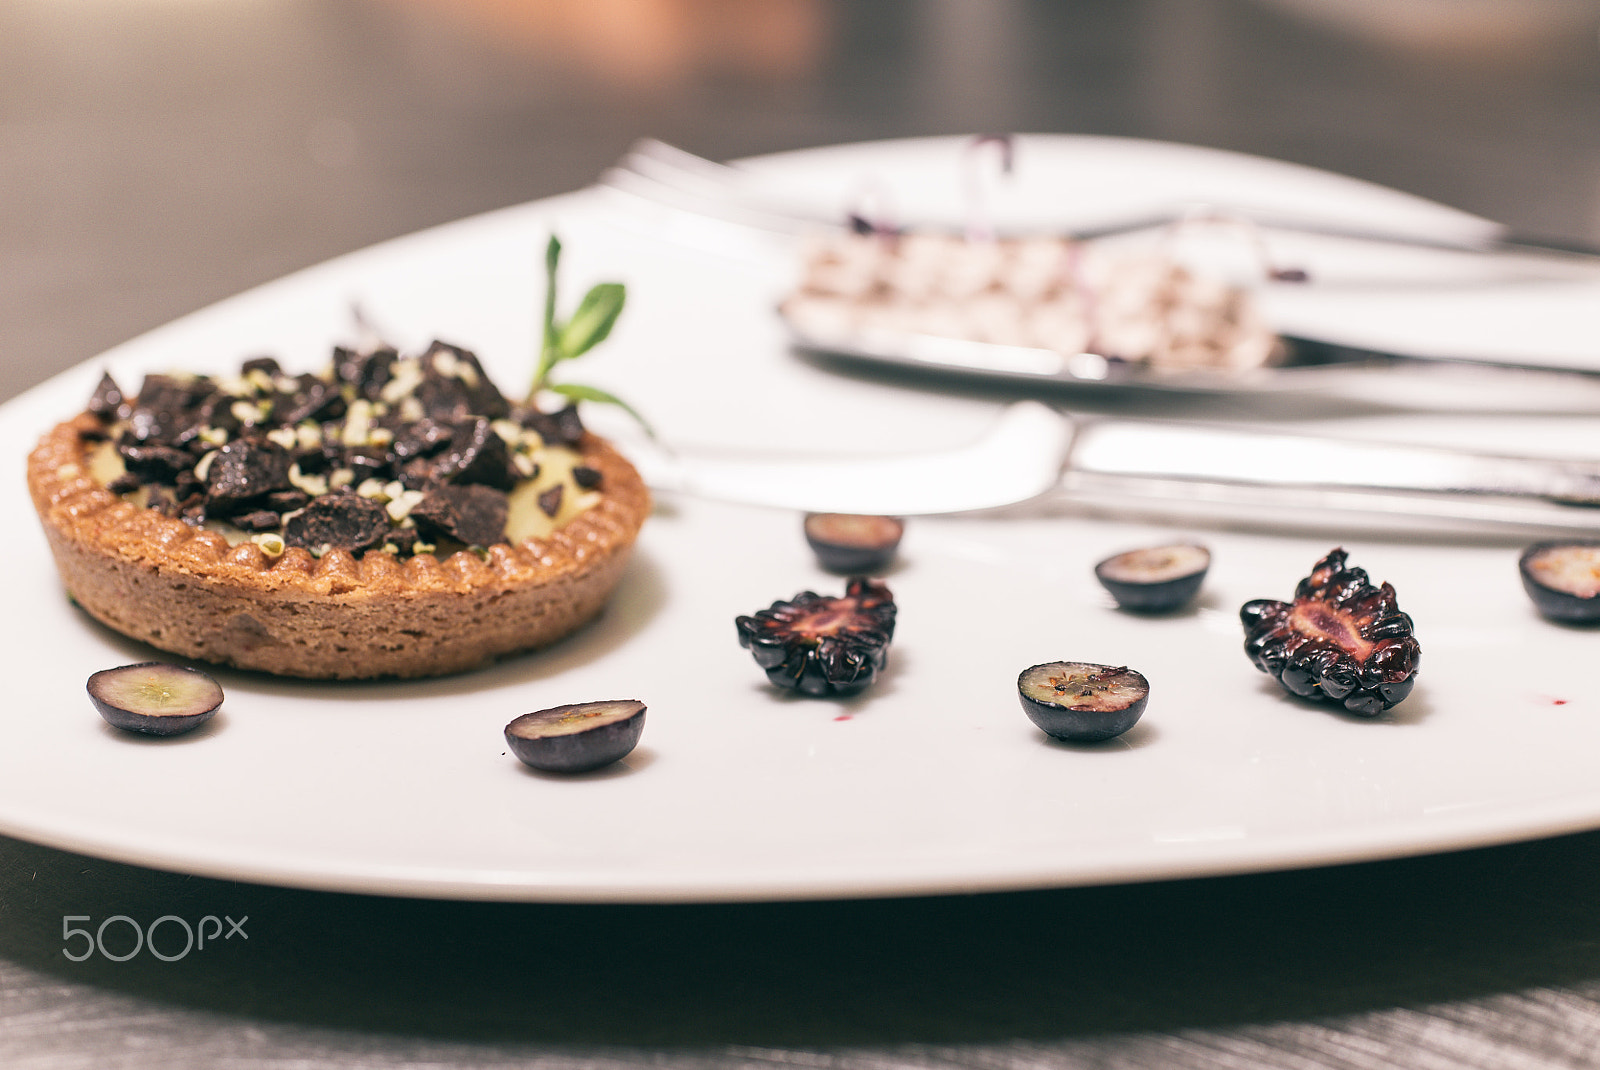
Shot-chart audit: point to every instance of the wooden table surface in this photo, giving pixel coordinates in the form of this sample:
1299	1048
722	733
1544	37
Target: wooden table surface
157	155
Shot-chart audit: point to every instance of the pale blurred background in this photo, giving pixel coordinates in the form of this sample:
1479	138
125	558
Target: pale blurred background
157	155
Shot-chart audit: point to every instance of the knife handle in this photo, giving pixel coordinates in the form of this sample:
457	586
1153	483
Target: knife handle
1266	473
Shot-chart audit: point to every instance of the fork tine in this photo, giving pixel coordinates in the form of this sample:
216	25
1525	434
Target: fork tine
660	157
663	175
654	171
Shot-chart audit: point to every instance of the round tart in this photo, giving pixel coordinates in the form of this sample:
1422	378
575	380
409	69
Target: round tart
196	561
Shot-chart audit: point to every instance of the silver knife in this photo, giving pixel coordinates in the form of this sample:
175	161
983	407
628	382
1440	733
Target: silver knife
1035	454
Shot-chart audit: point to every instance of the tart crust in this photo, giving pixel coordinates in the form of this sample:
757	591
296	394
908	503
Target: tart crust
185	590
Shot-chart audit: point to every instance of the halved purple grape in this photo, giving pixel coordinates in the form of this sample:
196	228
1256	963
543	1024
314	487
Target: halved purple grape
1081	701
1563	579
852	544
154	697
1155	579
577	737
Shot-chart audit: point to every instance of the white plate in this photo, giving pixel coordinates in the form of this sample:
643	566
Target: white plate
933	781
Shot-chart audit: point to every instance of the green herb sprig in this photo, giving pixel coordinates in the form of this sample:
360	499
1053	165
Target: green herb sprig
586	328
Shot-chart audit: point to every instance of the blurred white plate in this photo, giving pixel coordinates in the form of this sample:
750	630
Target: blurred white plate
933	781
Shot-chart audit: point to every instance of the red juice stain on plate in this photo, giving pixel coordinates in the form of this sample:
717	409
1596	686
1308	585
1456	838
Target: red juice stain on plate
844	717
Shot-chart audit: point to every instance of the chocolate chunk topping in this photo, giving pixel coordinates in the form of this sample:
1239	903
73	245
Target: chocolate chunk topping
367	462
257	520
476	454
550	500
245	470
107	400
153	463
421	439
314	399
367	372
217	411
315	459
417	474
560	428
261	364
465	390
473	514
285	501
341	521
402	539
224	448
167	406
190	509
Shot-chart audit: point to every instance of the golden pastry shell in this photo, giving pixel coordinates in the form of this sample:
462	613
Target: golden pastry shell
185	590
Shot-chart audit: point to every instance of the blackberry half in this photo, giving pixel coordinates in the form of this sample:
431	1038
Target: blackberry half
821	645
1341	639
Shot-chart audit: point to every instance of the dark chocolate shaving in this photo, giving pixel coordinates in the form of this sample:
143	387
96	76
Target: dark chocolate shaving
476	454
550	500
154	463
338	521
314	399
473	514
367	462
423	438
314	460
285	501
217	411
450	397
245	470
452	454
367	372
402	539
257	520
166	407
560	428
107	401
261	364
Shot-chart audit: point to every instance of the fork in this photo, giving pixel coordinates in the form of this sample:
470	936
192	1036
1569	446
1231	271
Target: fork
667	176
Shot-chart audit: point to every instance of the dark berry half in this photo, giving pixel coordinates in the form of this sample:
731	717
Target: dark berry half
1081	702
577	737
845	542
1563	579
1157	579
1341	639
154	697
821	645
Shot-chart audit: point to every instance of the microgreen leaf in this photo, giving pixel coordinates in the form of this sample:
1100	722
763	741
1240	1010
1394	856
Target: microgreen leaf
578	392
552	257
594	319
589	326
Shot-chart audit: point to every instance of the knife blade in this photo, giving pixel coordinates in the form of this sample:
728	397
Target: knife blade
1033	452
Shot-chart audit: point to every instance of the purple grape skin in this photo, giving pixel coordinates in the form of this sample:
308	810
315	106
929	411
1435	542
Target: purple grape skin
610	739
